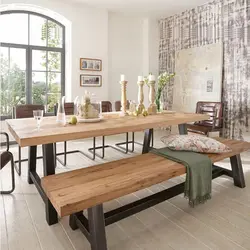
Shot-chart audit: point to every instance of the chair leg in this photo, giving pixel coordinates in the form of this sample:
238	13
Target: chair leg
12	178
152	142
133	142
64	162
125	149
55	161
103	147
65	153
19	162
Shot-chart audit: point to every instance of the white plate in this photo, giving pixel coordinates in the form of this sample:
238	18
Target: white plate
89	120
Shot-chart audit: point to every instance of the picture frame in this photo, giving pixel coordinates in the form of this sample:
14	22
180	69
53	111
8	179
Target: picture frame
90	80
90	64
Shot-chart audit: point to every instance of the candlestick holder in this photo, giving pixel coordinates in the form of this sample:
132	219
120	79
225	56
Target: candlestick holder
123	98
140	106
152	109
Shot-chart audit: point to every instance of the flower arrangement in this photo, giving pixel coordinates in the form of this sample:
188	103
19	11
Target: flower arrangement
87	109
146	79
163	80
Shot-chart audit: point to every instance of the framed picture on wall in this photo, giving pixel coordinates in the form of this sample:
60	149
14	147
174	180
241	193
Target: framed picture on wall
90	64
90	80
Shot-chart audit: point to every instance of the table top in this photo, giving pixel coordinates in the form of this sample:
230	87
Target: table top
25	133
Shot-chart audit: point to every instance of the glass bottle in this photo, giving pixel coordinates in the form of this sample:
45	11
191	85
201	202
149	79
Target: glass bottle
76	103
61	116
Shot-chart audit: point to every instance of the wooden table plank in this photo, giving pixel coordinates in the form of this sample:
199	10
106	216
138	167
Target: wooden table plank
25	133
79	189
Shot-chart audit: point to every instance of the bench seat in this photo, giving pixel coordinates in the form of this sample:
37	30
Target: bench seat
77	190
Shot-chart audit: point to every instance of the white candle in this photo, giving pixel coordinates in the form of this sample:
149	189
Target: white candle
122	78
151	78
140	78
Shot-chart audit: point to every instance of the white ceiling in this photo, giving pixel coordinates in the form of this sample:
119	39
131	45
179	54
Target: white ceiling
160	8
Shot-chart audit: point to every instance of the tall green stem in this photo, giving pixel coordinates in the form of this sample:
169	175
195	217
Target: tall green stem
158	99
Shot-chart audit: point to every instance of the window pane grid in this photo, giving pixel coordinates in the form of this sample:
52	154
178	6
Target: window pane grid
51	87
44	71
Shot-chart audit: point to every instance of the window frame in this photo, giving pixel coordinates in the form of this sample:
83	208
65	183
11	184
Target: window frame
30	48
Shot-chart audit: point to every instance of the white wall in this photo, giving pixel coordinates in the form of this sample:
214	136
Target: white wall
133	51
89	38
125	54
126	44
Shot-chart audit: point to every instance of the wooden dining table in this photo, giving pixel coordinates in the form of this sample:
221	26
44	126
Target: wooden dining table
26	135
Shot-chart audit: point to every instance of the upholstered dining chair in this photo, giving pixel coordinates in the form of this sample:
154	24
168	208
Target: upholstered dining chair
213	124
24	111
106	107
6	157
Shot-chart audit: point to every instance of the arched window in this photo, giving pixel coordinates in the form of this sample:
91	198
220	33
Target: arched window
32	60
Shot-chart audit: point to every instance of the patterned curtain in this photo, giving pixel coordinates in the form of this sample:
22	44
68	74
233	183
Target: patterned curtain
220	20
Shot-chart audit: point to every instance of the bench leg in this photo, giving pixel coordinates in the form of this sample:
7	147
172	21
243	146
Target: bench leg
72	222
97	228
238	175
182	129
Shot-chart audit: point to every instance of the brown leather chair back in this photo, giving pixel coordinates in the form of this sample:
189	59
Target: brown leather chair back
68	108
106	106
118	105
26	110
214	110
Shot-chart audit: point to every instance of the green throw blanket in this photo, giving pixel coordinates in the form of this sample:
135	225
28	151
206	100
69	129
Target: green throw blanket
198	183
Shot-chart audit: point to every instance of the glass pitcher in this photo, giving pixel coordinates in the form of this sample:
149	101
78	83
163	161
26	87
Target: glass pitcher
61	116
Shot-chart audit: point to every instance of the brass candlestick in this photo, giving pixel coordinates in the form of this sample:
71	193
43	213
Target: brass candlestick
123	98
152	109
140	106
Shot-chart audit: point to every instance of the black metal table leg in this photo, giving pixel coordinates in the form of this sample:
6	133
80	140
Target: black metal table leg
238	175
182	129
147	140
49	169
31	162
97	228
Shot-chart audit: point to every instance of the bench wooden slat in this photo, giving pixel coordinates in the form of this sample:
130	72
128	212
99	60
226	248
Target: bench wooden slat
77	190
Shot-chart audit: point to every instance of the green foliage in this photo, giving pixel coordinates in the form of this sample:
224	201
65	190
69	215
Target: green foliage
146	79
12	86
51	34
163	80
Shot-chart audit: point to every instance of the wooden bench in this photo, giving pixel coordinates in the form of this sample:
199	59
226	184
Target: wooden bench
88	188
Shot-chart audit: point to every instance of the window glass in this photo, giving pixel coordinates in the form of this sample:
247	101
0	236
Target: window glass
14	28
13	79
54	61
39	87
54	34
32	48
39	60
38	30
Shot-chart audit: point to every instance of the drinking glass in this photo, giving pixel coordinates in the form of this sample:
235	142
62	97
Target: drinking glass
38	114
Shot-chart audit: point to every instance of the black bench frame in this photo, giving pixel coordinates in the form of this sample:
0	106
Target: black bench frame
94	227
